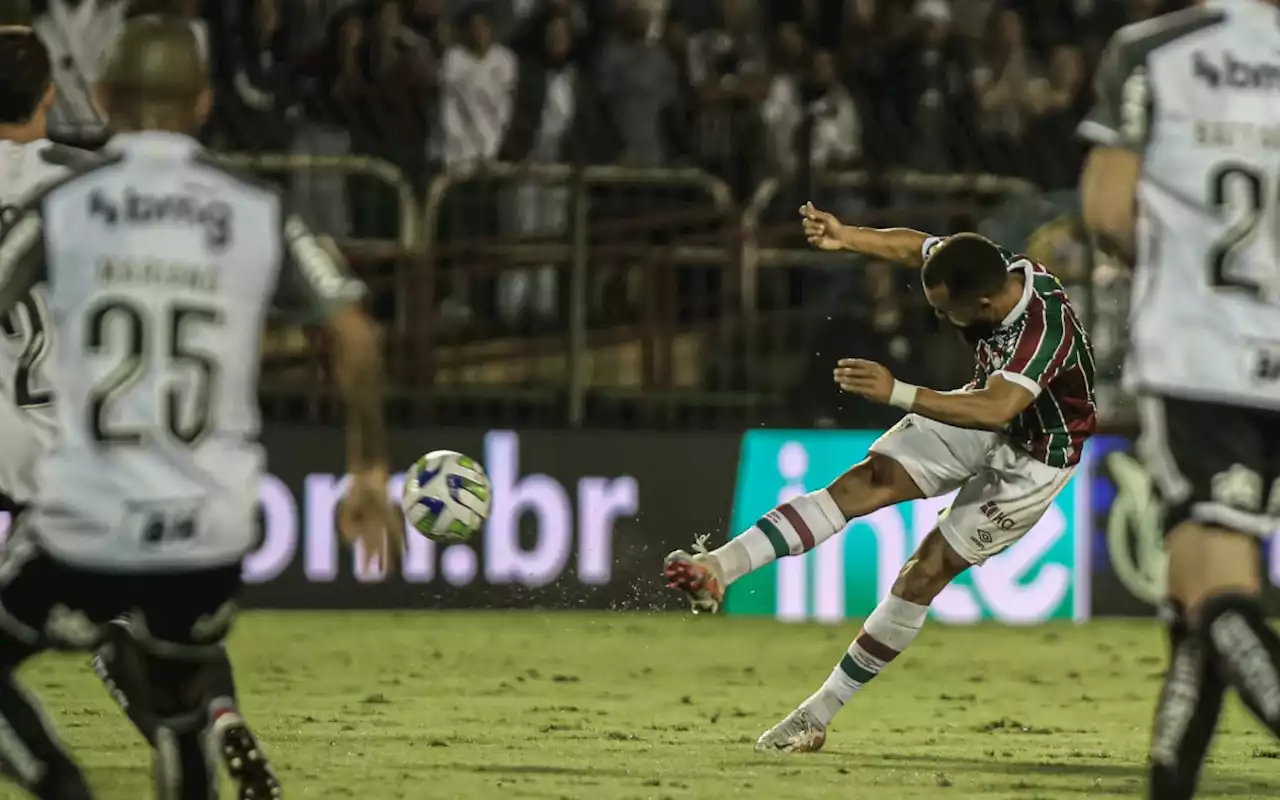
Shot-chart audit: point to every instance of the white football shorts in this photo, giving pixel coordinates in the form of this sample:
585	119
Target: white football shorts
1003	490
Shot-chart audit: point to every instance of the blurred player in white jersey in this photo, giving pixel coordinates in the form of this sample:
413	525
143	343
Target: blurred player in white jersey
1184	179
160	266
28	163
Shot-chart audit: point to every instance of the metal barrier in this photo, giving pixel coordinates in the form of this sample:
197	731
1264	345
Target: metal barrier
409	237
566	229
656	311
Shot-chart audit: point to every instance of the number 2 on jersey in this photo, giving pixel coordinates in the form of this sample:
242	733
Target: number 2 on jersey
28	319
37	341
138	329
1244	221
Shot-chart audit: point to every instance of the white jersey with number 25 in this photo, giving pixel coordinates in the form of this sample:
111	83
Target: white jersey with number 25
160	265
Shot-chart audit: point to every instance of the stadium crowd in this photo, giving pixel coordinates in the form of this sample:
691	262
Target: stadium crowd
742	89
732	86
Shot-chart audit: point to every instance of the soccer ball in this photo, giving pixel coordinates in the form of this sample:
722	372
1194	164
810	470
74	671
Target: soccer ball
446	496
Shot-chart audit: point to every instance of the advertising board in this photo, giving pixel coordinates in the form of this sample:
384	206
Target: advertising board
579	520
1044	576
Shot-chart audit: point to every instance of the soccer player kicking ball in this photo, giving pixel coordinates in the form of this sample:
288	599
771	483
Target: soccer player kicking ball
1009	441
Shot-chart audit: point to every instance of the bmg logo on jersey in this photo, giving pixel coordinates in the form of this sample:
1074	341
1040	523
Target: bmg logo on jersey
138	208
1227	71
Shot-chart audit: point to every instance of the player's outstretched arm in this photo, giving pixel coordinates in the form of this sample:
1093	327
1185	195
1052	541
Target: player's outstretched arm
1118	127
989	408
316	282
899	245
365	515
357	366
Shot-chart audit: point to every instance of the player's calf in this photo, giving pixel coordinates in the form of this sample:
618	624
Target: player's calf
1235	628
121	665
1188	711
31	754
890	629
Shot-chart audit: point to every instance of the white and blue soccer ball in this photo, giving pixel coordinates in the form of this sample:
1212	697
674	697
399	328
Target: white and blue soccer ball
446	496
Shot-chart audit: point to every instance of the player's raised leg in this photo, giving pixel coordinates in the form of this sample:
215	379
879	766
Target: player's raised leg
916	458
793	528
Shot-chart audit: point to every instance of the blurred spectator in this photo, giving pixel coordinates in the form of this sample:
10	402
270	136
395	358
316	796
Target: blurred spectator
1003	82
638	85
334	63
682	115
427	19
78	34
812	120
1054	154
831	121
532	15
934	97
255	79
727	67
386	90
790	51
873	318
478	84
549	102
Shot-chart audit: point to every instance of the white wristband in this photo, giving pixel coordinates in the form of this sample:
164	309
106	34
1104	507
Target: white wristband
903	395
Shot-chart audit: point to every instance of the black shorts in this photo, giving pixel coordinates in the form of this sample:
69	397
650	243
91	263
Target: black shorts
46	603
1213	463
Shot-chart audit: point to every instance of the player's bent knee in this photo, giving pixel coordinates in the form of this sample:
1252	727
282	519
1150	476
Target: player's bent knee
874	483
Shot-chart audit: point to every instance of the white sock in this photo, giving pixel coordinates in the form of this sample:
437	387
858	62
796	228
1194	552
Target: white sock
885	634
795	527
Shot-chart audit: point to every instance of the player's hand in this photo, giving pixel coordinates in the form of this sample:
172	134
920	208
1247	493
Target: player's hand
365	515
822	230
866	378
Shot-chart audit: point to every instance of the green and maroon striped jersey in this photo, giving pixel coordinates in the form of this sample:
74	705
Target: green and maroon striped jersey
1042	347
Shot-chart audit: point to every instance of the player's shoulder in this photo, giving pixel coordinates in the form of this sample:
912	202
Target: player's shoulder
1045	285
65	157
67	166
1137	40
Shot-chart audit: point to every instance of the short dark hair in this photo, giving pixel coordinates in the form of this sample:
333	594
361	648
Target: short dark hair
968	265
24	65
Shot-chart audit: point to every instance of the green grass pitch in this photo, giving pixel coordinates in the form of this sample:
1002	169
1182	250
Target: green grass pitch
380	706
